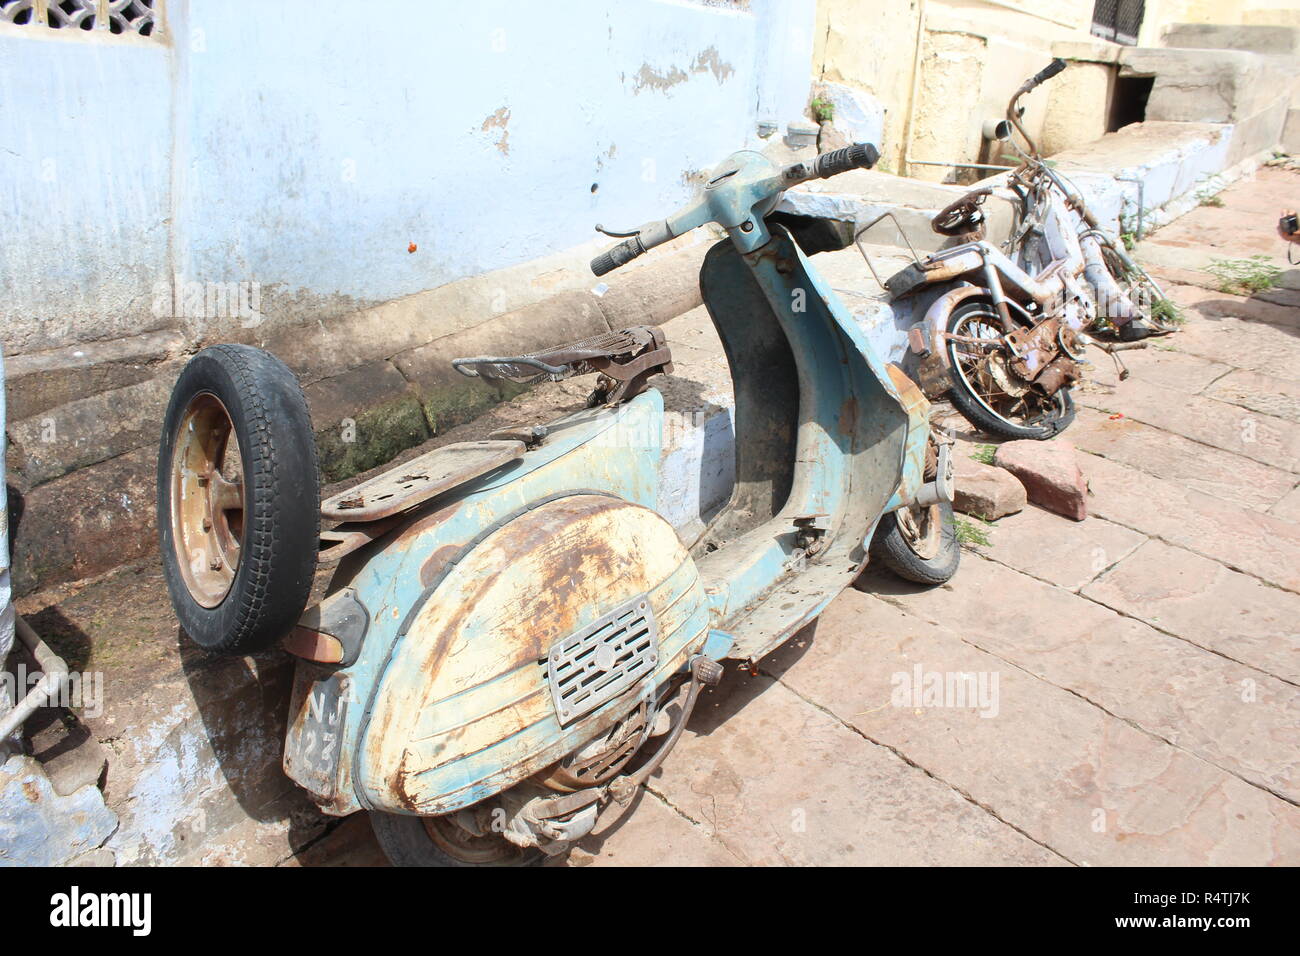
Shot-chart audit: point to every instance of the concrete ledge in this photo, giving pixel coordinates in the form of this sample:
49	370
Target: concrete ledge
862	195
86	421
1254	38
1162	168
38	381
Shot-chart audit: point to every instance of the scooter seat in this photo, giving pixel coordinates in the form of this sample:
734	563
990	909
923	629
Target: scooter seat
626	357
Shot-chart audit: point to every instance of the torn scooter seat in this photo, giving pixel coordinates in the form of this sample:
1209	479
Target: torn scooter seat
624	359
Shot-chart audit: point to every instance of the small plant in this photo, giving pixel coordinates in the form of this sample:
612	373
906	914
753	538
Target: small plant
984	454
1210	199
970	533
823	110
1130	241
1166	311
1244	276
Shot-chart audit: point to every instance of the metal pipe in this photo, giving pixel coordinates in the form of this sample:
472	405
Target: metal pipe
50	685
929	162
1141	200
916	85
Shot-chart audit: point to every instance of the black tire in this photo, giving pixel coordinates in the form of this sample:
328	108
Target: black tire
974	410
279	523
890	546
406	841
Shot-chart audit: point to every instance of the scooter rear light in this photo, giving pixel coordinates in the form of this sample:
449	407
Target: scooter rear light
314	645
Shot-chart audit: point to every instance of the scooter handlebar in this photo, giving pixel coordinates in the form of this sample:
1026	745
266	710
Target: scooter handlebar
823	166
856	156
619	255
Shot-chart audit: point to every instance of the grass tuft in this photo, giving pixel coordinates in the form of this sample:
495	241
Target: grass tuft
1244	276
969	533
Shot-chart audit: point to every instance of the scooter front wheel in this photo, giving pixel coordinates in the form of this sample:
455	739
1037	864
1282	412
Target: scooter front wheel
919	544
442	841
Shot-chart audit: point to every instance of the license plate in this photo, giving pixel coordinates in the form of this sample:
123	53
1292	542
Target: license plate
313	743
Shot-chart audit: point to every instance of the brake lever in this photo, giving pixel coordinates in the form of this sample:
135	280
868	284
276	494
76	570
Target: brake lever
617	235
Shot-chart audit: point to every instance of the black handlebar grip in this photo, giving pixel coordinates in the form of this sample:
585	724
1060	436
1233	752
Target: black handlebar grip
1047	72
857	156
619	255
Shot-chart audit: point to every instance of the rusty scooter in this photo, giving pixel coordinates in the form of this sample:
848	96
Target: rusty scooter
513	638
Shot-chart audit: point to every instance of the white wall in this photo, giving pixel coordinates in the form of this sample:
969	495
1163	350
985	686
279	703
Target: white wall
303	146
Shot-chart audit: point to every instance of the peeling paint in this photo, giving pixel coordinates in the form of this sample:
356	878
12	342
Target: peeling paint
500	119
706	61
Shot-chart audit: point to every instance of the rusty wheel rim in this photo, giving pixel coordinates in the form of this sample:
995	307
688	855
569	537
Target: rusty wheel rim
490	849
922	529
207	500
972	364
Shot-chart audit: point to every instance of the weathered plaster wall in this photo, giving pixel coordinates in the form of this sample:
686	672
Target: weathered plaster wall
974	54
871	46
85	166
304	147
1078	102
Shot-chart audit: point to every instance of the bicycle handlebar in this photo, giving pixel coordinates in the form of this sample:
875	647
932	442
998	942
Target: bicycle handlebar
1042	76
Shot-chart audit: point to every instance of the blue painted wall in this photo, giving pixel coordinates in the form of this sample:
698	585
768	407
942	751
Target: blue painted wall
303	145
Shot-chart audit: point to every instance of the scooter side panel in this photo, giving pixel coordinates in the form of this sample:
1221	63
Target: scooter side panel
467	707
613	450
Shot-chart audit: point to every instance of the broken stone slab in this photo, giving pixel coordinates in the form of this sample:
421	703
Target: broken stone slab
1050	474
856	115
363	418
984	491
38	381
87	522
651	292
38	827
88	431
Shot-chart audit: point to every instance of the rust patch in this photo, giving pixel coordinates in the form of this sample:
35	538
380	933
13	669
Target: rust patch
437	562
848	423
31	791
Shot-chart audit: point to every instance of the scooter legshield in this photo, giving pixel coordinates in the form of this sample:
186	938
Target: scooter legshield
534	644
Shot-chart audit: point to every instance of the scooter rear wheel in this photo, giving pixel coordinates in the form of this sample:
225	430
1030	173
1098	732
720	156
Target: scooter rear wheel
238	499
441	841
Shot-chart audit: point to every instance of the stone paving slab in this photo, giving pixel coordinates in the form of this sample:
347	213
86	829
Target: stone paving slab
650	833
1156	365
1180	460
1059	550
1237	717
1091	786
1204	602
1288	509
1263	544
1241	343
1262	438
779	781
1212	303
1267	394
